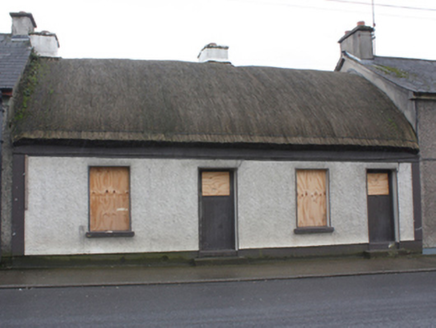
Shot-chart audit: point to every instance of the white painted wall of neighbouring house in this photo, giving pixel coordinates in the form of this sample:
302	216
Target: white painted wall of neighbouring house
164	204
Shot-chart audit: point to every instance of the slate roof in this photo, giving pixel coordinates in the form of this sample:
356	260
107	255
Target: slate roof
417	75
13	58
182	102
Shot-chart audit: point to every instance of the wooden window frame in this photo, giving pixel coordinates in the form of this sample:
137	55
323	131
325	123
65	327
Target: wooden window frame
314	229
108	233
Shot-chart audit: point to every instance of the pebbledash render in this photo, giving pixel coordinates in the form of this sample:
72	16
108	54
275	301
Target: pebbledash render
208	160
164	205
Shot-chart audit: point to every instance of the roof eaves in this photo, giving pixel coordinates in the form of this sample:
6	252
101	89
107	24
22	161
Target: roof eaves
424	96
369	64
347	54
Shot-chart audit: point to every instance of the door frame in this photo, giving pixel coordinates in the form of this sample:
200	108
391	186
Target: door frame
393	189
233	188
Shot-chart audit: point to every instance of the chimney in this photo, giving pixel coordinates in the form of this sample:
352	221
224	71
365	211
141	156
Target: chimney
214	53
22	23
358	41
45	44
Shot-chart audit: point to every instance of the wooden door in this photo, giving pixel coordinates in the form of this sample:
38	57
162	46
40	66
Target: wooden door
380	209
217	213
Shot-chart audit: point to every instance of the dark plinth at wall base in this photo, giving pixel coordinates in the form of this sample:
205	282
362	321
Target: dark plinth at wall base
299	252
414	246
101	260
310	230
105	234
402	248
394	249
195	257
382	253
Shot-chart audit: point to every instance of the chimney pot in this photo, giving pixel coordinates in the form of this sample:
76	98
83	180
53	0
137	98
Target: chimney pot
361	23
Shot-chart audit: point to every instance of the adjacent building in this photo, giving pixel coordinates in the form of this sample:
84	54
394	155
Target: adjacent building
411	85
16	49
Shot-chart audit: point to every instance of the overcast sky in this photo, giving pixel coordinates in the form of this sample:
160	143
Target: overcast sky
282	33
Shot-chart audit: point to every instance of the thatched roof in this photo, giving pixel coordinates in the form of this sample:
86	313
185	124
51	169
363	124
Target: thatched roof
117	100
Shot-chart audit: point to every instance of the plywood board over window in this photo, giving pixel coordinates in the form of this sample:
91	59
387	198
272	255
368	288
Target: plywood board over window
312	198
215	183
109	199
378	184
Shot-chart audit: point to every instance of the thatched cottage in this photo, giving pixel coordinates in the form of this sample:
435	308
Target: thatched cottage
124	158
208	159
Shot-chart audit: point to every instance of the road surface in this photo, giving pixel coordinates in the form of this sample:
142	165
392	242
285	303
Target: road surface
387	300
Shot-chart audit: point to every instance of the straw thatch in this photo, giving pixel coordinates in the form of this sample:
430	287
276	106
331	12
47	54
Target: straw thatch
126	100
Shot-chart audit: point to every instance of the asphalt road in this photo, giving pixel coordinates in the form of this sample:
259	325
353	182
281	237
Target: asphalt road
389	300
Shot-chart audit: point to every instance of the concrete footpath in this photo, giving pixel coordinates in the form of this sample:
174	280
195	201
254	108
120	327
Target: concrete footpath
267	270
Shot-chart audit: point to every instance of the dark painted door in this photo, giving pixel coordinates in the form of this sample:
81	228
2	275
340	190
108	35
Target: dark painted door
217	213
380	209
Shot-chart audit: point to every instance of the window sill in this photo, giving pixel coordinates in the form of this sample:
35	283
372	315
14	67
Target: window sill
104	234
310	230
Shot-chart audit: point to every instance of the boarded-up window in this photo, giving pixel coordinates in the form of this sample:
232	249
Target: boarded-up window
378	184
215	183
312	198
109	199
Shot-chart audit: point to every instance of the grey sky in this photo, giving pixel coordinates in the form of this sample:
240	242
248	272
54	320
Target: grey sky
283	33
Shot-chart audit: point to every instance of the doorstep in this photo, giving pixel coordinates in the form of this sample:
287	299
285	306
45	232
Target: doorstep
202	261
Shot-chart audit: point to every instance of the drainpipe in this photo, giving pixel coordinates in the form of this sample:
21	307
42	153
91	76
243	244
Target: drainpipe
1	148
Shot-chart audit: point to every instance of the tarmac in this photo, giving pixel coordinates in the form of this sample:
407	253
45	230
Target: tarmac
184	274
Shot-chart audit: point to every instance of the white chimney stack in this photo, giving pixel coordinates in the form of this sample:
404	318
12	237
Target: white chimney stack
214	53
45	44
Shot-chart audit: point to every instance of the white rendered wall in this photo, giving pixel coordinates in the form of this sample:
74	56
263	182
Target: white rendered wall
164	204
